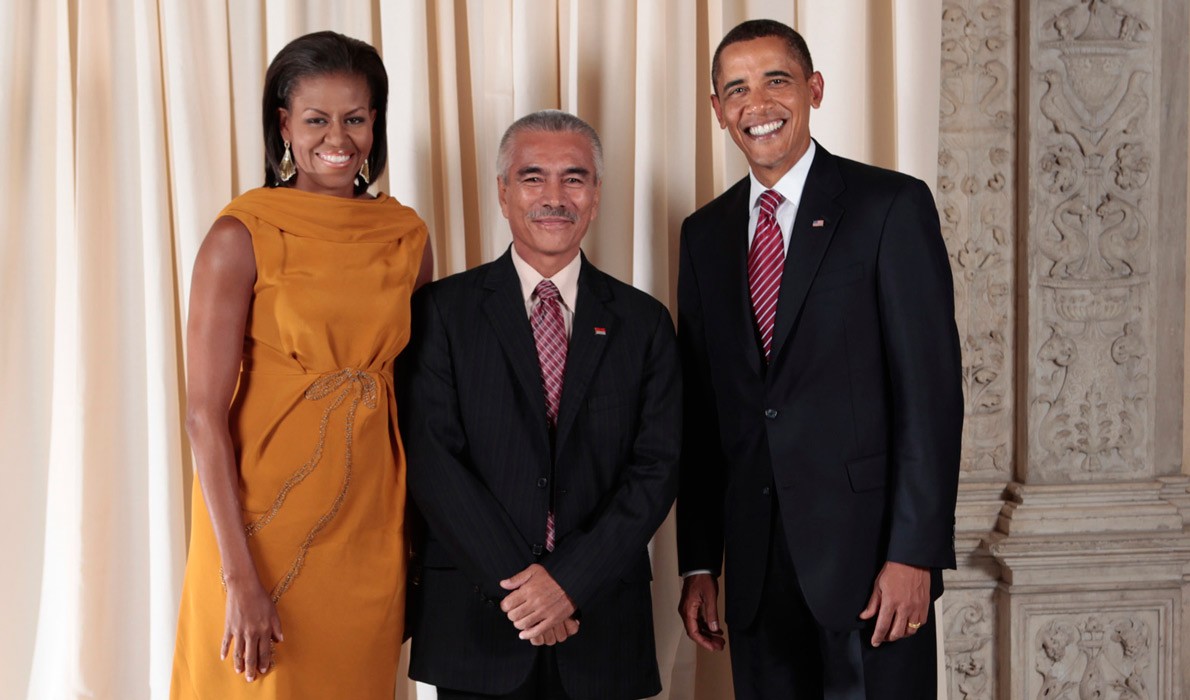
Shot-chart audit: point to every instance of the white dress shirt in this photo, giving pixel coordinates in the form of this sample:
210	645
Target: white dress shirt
790	186
566	280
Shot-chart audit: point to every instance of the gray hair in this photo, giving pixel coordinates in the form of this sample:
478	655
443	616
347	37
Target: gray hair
548	120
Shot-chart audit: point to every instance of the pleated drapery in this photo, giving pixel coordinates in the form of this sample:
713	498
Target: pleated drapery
130	123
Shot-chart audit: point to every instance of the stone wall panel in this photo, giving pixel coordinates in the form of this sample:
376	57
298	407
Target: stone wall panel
977	202
1091	204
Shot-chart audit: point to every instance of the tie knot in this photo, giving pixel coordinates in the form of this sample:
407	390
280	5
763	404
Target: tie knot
769	201
546	291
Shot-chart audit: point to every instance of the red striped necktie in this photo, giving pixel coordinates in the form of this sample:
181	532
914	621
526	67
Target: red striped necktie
766	260
549	334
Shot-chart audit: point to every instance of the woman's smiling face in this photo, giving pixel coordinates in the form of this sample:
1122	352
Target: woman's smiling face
329	129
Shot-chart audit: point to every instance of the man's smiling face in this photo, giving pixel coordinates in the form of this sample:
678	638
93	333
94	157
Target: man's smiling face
764	100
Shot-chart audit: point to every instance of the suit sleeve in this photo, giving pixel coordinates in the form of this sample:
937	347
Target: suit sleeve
587	562
460	510
702	474
916	299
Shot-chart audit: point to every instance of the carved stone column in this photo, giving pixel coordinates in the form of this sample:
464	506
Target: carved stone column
977	202
1070	277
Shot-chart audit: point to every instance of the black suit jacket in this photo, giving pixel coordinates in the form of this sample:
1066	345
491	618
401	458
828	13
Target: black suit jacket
479	458
855	424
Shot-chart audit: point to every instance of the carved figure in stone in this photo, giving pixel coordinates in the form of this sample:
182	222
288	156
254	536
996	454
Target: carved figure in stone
1059	349
1068	249
1130	26
973	684
1054	640
1129	346
1056	106
1093	659
1123	237
1132	106
1063	23
968	648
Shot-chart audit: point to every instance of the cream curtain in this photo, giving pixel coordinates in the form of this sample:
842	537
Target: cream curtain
129	123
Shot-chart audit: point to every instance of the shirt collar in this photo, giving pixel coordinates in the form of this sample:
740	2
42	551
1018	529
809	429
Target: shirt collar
790	185
566	279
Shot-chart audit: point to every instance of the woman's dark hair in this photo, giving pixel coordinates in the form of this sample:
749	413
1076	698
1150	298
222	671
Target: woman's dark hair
322	53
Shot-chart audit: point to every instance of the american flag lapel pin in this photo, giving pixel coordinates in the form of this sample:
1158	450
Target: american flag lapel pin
818	223
600	330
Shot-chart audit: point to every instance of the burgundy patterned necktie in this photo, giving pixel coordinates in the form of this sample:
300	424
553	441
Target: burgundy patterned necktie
766	260
549	333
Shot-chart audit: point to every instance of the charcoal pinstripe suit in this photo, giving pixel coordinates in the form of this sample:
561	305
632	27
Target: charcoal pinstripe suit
479	453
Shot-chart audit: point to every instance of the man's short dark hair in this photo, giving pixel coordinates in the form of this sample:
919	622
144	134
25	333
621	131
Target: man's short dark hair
759	29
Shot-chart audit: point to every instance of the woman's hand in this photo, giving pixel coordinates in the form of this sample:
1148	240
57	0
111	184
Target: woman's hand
251	627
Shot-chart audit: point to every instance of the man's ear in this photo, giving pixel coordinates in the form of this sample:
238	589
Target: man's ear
718	110
817	85
502	194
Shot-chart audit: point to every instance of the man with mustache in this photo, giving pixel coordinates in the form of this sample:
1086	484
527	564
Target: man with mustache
823	400
542	419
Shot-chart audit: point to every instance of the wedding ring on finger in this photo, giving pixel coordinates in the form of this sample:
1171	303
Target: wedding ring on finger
914	625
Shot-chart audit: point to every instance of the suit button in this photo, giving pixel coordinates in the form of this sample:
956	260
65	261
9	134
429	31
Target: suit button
537	550
764	491
542	482
770	413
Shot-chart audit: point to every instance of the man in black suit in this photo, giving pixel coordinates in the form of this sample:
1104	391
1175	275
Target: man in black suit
542	427
823	405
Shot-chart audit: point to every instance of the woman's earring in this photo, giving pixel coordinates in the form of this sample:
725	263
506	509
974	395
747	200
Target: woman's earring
286	169
365	172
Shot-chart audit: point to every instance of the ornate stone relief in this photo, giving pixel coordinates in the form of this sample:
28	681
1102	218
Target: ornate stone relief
970	661
976	201
1091	202
1107	657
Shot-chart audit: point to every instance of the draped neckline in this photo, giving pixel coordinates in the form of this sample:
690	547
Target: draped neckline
327	217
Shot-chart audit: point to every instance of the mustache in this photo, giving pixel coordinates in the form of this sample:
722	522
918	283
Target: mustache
554	213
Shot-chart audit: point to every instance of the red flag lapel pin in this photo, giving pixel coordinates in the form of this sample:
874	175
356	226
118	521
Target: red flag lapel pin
600	330
818	223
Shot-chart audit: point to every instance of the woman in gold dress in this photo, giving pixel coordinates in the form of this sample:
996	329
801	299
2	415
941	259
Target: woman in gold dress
295	583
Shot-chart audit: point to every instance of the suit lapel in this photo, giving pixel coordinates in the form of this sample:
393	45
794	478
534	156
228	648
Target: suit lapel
586	344
734	254
818	215
505	309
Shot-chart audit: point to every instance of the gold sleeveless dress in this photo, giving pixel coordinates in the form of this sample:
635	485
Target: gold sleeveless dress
322	471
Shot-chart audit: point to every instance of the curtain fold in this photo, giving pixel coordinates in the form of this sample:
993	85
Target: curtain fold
132	122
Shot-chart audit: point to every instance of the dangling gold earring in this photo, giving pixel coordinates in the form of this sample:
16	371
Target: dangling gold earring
286	169
365	172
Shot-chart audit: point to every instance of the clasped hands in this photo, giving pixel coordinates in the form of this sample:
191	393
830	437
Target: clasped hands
538	607
900	602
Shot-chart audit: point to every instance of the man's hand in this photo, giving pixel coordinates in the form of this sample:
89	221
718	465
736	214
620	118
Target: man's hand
537	603
900	601
557	635
699	610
